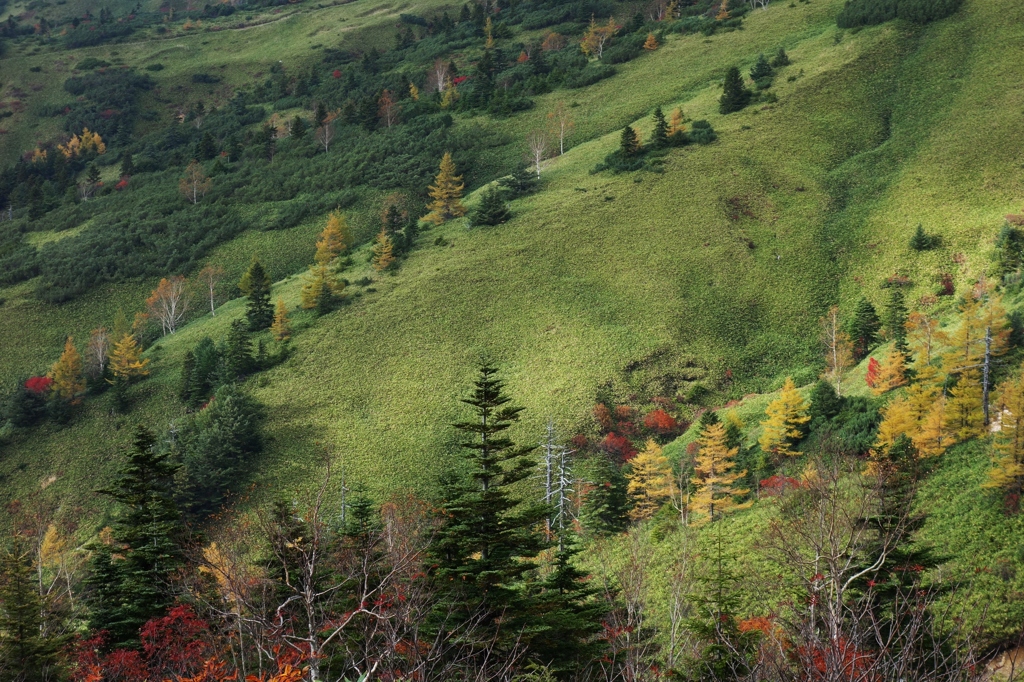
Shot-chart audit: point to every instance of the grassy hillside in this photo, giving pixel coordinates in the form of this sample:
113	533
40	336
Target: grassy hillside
721	264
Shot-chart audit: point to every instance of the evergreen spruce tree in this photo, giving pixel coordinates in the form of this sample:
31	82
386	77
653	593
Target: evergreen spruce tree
127	164
520	183
921	241
629	142
761	70
896	321
298	128
486	547
492	209
130	574
207	148
781	59
324	301
255	284
735	95
864	328
27	654
92	176
605	510
208	361
237	355
659	139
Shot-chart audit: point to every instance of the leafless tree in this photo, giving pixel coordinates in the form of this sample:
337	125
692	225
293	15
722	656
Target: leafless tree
537	143
561	125
195	183
96	352
325	134
438	75
169	303
209	277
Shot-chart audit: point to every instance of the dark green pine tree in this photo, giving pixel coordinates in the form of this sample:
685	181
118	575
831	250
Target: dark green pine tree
735	95
255	285
324	299
485	549
185	384
520	183
207	148
607	504
237	355
781	59
130	576
659	139
864	328
26	653
762	69
298	128
92	176
629	143
127	164
492	209
392	225
205	372
896	320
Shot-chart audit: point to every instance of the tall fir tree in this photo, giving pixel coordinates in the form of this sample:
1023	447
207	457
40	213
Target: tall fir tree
255	284
864	328
762	69
896	320
659	138
487	545
131	574
188	371
27	652
629	142
735	95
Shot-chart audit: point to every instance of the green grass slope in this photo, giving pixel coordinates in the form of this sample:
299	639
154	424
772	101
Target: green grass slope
724	261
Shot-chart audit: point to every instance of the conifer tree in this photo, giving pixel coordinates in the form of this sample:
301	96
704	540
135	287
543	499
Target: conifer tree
651	483
298	128
126	361
446	193
787	416
964	408
864	329
931	438
659	138
676	124
896	321
255	284
735	95
282	327
651	44
605	503
492	210
332	241
237	355
324	298
762	69
897	420
383	252
66	373
130	575
488	540
781	59
714	477
891	373
188	371
27	654
1007	472
629	142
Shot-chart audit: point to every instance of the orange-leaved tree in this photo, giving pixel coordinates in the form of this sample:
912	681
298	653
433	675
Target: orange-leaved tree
333	240
651	43
169	302
383	252
892	373
282	327
67	373
446	193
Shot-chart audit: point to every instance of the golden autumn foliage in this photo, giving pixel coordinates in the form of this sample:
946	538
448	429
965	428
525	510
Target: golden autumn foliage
1007	472
931	438
314	285
414	92
333	240
964	408
446	193
126	361
651	43
282	326
66	373
892	373
597	37
383	252
451	94
650	481
897	420
675	123
78	145
714	477
786	417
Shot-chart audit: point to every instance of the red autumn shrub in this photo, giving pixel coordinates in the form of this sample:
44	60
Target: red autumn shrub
336	73
603	417
618	446
176	644
872	375
39	385
580	442
660	422
776	485
459	80
624	413
122	184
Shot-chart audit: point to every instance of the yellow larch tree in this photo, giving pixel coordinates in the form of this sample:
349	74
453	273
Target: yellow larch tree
786	416
964	409
383	252
716	492
650	481
897	420
675	122
282	326
126	361
446	193
313	286
931	438
892	373
651	43
66	373
1007	472
333	240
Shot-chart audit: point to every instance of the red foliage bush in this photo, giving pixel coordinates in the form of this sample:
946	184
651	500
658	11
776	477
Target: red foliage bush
603	417
618	446
176	644
776	485
661	422
580	441
39	385
336	73
872	375
459	80
122	184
